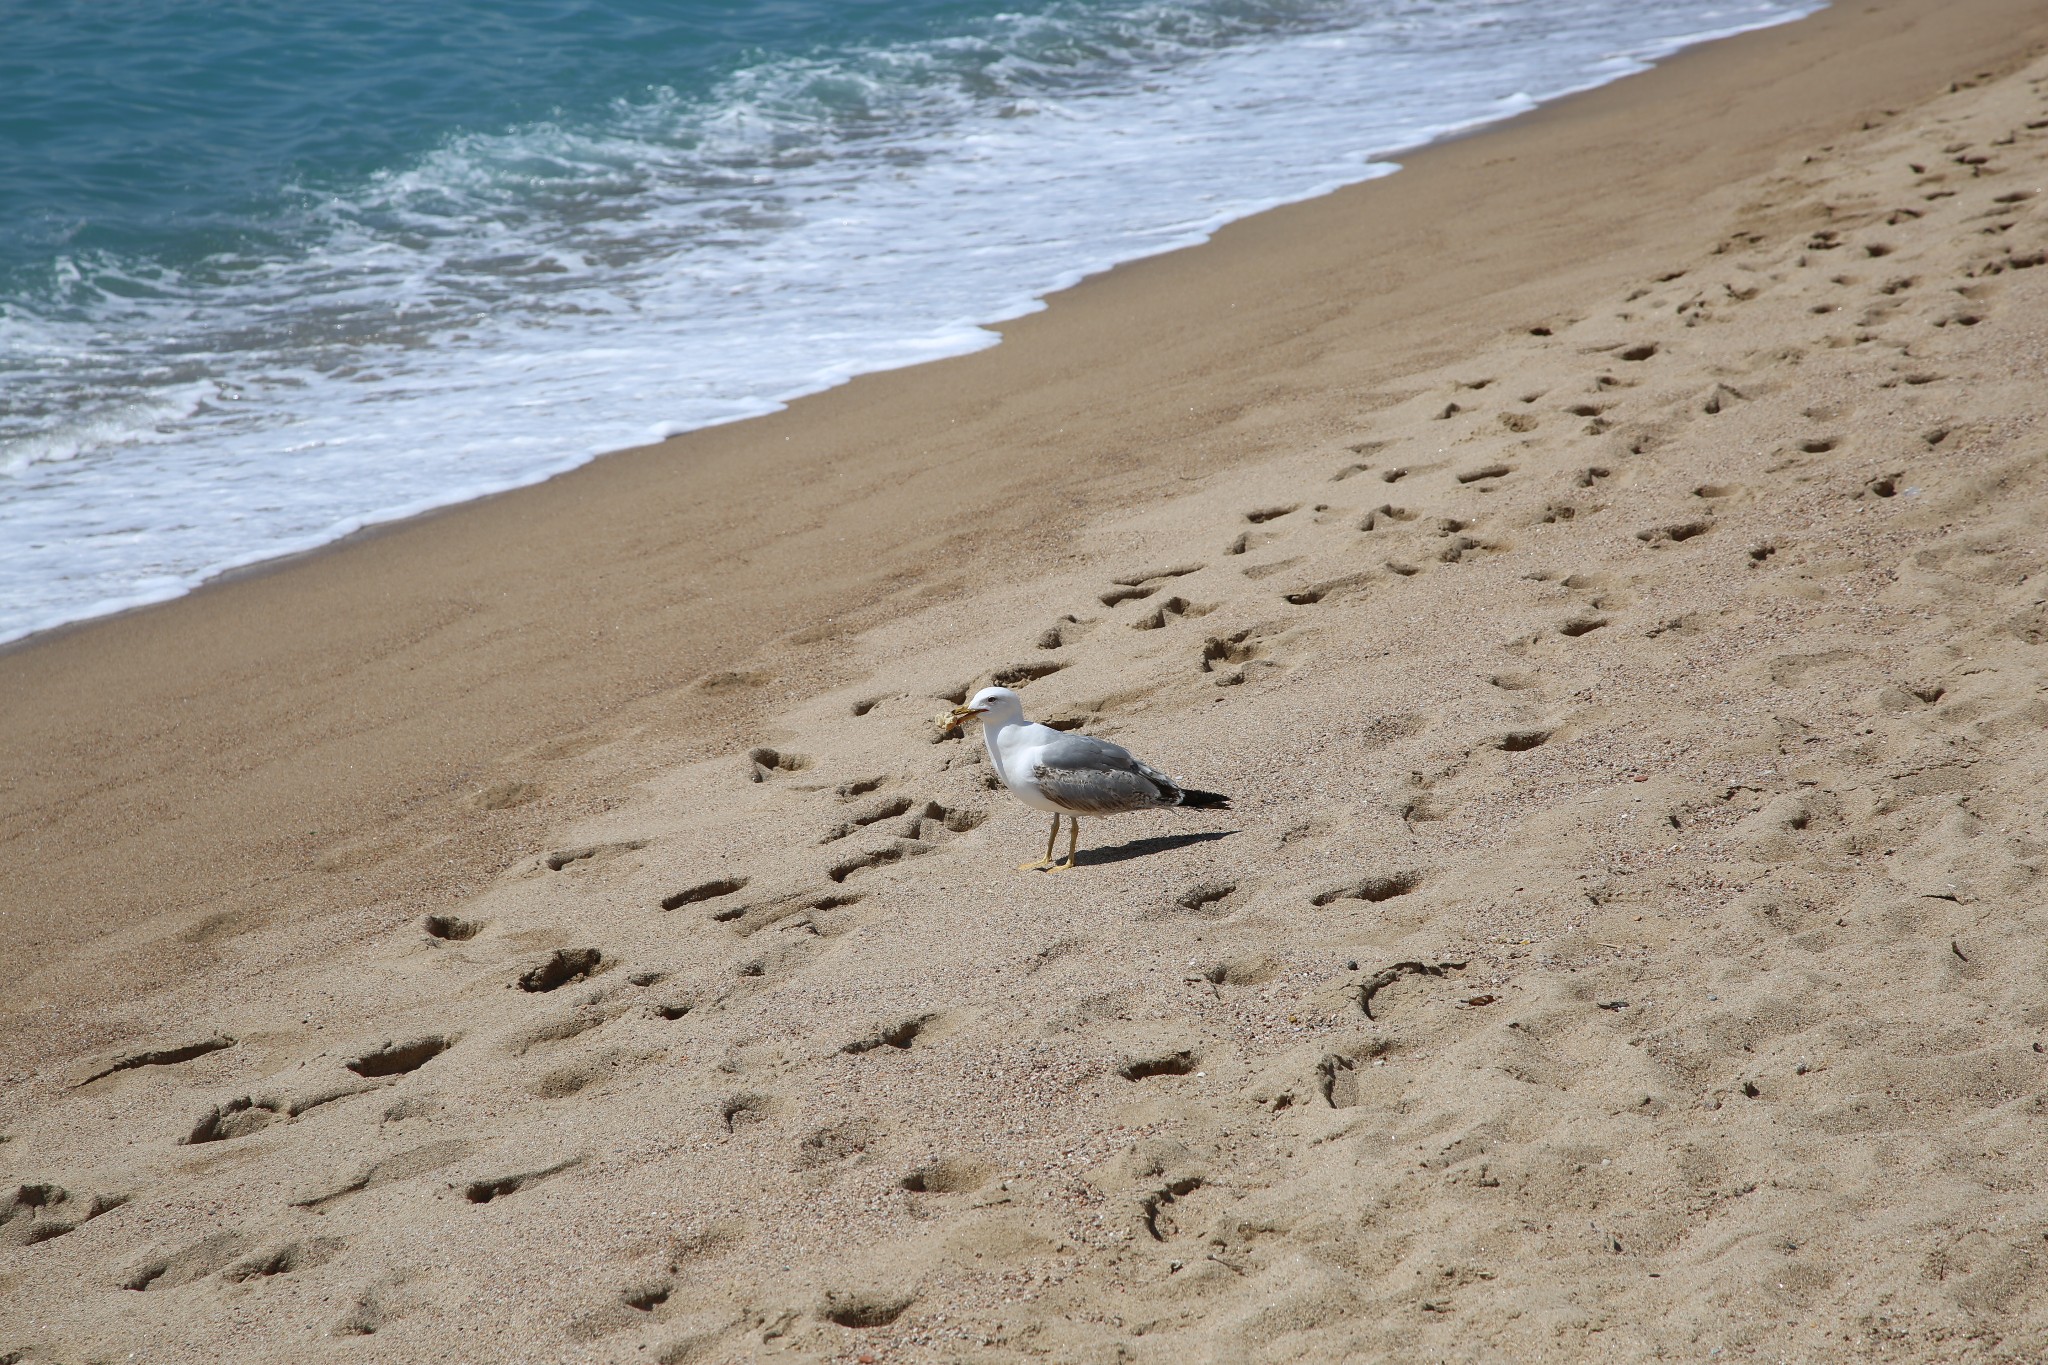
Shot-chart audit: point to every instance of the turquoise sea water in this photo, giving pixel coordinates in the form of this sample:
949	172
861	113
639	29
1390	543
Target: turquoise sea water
270	271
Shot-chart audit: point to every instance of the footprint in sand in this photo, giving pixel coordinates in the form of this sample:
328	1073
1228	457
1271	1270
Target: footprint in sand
1337	1076
1157	576
498	1187
778	963
561	858
1380	886
809	912
1672	533
1213	898
643	1297
877	857
671	1010
284	1259
35	1212
451	928
1260	516
1331	589
714	889
928	825
1064	632
1172	609
1720	398
561	968
1016	675
246	1114
744	1110
175	1054
1226	656
233	1119
1460	549
1385	517
764	763
1178	1062
1251	970
936	822
182	1267
899	1036
946	1175
872	814
1159	1212
400	1059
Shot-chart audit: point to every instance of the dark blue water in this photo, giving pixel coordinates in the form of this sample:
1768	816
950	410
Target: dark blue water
179	126
271	271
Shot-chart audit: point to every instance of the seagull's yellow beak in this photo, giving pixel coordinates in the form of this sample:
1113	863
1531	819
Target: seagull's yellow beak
959	716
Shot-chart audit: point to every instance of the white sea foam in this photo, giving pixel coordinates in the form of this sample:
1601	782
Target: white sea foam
512	305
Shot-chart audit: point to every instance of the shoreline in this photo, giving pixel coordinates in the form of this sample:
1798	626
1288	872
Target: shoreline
485	598
1382	163
570	451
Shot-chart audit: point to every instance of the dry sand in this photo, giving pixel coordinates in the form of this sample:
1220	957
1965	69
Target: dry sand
539	932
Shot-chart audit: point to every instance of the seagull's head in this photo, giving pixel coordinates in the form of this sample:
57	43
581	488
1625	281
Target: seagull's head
991	706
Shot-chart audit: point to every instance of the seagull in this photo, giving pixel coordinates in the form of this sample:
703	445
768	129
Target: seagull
1070	775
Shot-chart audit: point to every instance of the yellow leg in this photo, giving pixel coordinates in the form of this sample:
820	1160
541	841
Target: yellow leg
1050	840
1073	842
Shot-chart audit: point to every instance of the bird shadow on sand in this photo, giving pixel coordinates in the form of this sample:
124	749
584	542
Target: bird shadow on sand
1143	848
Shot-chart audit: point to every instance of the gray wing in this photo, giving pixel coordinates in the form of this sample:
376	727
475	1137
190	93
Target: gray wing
1094	777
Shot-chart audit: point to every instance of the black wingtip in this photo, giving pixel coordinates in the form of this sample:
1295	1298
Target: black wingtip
1205	800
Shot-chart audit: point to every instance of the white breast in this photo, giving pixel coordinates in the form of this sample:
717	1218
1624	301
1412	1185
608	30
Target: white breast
1015	749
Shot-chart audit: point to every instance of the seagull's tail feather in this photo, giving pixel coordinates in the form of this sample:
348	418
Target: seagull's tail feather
1204	800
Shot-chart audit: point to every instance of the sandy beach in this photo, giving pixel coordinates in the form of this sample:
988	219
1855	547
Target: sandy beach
1603	562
